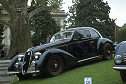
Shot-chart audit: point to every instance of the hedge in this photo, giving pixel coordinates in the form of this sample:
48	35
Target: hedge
122	34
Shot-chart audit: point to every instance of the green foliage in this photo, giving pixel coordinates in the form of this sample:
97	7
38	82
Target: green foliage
39	2
54	4
93	13
43	25
124	25
122	34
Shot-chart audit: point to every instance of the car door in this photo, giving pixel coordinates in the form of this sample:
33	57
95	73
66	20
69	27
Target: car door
80	47
90	42
84	45
95	36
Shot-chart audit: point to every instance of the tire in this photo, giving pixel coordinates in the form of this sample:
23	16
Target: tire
123	75
54	65
24	77
107	52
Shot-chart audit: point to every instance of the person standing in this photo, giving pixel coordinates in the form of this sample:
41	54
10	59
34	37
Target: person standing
48	38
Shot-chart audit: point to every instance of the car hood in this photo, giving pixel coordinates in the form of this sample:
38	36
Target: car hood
49	45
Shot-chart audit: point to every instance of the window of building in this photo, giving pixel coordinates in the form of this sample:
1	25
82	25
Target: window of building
58	21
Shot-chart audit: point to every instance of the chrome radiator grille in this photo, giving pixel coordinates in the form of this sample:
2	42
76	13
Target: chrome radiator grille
27	59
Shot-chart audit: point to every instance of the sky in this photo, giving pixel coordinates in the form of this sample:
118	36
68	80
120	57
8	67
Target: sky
118	10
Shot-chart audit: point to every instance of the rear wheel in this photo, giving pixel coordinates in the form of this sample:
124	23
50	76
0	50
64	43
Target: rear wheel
54	65
107	52
123	75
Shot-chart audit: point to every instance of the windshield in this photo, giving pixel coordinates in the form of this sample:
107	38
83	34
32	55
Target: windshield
62	36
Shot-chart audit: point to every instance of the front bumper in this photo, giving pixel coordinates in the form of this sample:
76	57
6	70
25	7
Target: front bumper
119	67
16	72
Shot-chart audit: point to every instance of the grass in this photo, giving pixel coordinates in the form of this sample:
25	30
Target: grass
100	71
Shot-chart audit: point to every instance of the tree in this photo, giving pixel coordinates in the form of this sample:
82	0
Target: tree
54	4
43	25
1	30
0	11
19	25
124	25
1	36
93	13
122	34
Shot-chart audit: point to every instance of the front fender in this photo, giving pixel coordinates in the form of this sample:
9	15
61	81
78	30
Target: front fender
67	56
12	62
121	49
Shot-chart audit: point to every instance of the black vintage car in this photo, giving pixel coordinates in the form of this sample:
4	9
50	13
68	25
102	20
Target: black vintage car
120	60
66	48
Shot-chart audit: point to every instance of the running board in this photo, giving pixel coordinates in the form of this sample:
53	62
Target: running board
88	59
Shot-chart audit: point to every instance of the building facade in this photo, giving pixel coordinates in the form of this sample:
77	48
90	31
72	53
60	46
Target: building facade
59	16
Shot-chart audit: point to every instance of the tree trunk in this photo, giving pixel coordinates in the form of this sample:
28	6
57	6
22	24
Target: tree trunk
19	25
20	35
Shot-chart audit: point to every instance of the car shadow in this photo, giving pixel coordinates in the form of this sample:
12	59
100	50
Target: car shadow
85	63
82	64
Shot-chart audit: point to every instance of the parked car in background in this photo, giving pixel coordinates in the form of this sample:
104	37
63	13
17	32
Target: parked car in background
66	48
115	44
120	60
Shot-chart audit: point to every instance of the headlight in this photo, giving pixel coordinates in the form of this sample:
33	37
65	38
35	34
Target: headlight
37	54
33	63
36	57
118	59
16	65
20	57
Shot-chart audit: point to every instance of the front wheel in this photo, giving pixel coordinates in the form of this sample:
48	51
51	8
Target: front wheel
107	52
123	75
54	65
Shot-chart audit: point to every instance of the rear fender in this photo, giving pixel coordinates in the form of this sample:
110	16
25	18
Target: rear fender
102	42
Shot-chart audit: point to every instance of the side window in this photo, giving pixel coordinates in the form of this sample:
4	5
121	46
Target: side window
86	33
94	34
77	35
58	36
67	34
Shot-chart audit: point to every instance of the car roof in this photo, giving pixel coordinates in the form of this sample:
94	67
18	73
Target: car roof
78	28
74	29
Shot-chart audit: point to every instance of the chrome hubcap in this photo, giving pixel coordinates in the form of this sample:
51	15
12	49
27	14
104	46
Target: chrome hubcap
56	65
